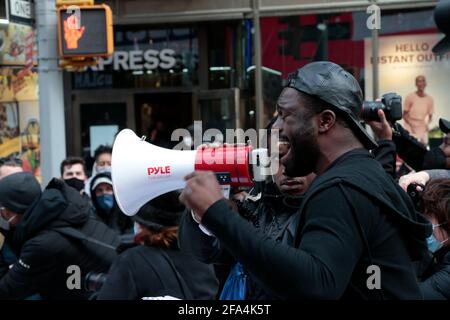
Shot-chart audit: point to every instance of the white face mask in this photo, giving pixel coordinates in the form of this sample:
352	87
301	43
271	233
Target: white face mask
103	169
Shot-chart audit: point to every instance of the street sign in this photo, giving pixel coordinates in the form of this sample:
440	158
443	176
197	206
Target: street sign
85	31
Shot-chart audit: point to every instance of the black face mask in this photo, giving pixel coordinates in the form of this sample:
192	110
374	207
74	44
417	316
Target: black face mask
75	183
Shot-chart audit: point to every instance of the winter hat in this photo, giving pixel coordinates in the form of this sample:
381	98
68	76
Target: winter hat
163	211
18	191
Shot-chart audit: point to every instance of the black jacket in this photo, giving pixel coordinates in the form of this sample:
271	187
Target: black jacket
436	284
145	271
44	254
414	153
353	215
386	155
269	212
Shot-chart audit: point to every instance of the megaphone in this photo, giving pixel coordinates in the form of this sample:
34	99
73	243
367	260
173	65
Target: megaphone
142	171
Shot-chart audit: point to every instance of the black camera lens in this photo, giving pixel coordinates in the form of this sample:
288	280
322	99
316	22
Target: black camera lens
391	104
93	282
370	109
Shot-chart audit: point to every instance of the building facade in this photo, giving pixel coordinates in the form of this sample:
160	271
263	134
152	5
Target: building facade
180	61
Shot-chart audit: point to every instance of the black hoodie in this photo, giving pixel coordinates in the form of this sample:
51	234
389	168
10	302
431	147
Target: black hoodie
44	254
353	215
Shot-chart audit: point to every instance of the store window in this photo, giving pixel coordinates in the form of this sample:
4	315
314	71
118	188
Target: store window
146	58
408	67
406	40
288	43
226	50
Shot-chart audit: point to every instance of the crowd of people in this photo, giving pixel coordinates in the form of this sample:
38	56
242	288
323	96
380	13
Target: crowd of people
338	206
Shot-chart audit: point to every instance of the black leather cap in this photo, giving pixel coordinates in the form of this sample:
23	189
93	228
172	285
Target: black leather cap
330	83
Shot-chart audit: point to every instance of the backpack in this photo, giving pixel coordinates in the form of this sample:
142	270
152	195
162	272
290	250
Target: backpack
97	238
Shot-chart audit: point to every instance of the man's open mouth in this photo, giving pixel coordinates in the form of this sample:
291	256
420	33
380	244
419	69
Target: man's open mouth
284	146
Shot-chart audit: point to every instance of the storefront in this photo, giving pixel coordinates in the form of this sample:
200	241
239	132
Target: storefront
161	77
19	103
176	62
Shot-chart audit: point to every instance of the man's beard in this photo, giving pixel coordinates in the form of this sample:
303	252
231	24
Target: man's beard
304	152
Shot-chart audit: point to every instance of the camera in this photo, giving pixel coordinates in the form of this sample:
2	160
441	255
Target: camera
391	104
416	195
93	281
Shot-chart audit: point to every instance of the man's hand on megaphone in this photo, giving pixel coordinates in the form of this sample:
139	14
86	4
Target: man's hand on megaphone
202	191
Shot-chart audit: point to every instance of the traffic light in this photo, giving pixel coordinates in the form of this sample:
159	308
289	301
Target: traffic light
85	31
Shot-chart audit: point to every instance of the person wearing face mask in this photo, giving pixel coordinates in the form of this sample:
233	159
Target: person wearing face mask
102	163
48	231
11	211
435	283
73	173
106	208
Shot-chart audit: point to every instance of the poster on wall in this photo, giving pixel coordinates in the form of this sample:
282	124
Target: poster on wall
18	84
9	130
29	124
408	67
14	44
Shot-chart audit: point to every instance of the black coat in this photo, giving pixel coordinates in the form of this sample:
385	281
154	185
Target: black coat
44	254
352	216
386	155
144	271
414	153
115	218
436	285
269	212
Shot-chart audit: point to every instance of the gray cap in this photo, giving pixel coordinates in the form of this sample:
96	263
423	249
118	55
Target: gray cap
330	83
100	181
18	191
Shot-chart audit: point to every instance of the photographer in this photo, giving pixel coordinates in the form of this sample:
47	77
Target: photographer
436	203
385	152
393	138
353	216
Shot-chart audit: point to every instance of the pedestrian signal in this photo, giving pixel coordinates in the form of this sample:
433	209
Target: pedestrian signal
85	31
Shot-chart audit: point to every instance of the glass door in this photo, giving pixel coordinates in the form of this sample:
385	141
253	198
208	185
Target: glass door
217	109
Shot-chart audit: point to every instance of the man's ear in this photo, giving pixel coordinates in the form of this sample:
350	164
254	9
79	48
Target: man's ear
326	120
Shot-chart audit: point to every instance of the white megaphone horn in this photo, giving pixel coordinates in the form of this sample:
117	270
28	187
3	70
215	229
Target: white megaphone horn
142	171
